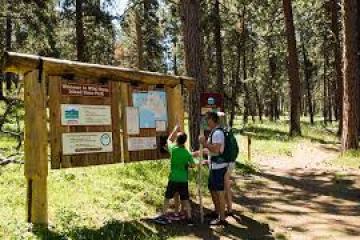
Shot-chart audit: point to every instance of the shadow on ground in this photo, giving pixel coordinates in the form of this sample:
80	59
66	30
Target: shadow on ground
241	227
304	200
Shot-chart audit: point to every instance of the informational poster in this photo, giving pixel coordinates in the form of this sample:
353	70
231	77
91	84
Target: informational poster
82	115
142	143
132	120
85	90
161	126
211	102
86	142
152	107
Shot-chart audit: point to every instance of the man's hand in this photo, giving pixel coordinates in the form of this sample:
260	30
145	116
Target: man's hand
196	154
205	162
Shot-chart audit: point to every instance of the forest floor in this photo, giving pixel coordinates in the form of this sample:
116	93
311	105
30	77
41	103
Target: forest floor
298	188
303	196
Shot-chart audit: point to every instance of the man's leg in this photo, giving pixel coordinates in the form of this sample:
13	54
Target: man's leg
221	197
215	200
177	203
186	204
165	206
228	191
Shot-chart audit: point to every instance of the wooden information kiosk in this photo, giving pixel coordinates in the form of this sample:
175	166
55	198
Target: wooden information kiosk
90	114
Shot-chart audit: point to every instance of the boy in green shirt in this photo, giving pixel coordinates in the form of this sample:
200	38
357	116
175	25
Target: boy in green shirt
181	160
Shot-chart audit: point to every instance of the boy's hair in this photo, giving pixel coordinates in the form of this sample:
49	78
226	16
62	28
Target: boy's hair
213	116
181	138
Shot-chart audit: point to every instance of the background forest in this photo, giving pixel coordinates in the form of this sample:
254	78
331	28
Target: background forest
239	48
289	73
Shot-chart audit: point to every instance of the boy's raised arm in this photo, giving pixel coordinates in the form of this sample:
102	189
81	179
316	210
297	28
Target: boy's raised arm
172	135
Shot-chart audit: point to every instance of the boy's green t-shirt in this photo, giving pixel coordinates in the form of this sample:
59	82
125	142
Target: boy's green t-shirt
180	161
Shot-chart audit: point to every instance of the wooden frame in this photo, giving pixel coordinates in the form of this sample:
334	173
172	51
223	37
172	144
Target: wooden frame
42	80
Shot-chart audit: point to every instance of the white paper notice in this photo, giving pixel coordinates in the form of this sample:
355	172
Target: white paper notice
142	143
160	126
89	142
80	115
132	120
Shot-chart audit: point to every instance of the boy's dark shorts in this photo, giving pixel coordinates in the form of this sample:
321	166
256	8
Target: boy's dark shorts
216	179
177	187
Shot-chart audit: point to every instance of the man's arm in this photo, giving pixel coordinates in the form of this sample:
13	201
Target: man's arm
214	148
218	140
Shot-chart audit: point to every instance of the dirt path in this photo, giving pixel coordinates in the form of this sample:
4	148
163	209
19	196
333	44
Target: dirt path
302	196
298	197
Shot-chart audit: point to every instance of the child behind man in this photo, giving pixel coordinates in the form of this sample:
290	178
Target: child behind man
181	160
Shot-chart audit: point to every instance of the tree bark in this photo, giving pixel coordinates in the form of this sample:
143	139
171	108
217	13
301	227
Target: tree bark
259	104
307	76
218	46
190	11
349	138
80	37
325	95
8	41
335	12
293	70
247	99
139	40
236	85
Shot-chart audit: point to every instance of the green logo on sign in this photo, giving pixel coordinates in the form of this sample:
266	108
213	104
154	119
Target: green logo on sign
71	114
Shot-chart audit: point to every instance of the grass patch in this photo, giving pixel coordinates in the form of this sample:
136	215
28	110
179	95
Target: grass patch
349	159
271	138
93	202
7	144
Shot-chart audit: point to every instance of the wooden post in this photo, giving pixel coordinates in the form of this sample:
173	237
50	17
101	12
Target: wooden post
36	147
249	147
124	97
175	107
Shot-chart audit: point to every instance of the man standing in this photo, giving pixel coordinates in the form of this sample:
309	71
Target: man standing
217	165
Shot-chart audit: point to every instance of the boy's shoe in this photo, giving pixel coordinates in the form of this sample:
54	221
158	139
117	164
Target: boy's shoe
162	220
218	222
176	216
212	215
190	222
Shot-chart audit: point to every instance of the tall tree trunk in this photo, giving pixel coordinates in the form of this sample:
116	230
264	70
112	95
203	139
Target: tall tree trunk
325	93
236	85
307	76
247	100
175	68
8	36
272	68
330	100
139	40
335	13
218	46
359	64
259	104
351	76
190	11
293	70
80	37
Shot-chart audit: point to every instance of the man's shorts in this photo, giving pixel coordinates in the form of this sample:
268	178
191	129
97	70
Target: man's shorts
177	187
216	179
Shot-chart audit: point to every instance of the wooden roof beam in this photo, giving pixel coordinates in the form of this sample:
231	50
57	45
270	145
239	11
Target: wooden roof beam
22	63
